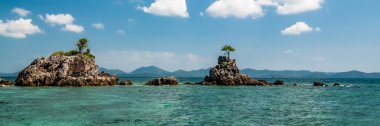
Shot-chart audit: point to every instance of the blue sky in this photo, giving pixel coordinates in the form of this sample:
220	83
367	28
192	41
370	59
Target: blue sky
317	35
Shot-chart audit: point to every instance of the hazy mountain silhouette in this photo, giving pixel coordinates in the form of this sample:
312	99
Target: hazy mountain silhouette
153	71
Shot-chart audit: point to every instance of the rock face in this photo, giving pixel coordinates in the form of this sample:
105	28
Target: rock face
163	81
227	73
60	70
319	84
126	82
279	82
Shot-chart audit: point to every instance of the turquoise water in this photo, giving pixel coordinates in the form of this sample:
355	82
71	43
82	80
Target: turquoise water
357	103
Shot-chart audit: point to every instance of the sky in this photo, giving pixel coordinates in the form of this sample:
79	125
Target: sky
316	35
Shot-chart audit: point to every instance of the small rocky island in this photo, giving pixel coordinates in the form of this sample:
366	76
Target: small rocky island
227	72
163	81
72	68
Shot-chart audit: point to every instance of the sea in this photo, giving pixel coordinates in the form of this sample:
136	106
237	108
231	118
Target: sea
355	103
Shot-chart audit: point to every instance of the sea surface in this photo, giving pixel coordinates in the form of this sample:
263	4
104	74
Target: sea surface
357	103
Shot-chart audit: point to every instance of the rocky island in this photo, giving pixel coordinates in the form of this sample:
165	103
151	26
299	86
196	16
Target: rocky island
163	81
227	72
72	68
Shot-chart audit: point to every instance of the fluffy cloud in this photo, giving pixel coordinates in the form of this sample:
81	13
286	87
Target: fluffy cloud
98	25
73	28
175	8
298	28
21	12
58	19
130	60
285	7
18	28
63	19
253	8
235	8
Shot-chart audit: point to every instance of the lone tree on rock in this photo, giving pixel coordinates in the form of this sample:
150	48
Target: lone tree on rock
228	49
82	44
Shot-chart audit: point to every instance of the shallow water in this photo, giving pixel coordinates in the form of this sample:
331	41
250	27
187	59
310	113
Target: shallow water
357	103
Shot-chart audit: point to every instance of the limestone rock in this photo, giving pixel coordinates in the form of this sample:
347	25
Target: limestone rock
163	81
60	70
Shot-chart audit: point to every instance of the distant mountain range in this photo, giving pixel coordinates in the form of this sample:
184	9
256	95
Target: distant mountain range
153	71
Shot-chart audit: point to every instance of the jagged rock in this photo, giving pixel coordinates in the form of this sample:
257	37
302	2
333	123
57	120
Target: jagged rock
227	73
60	70
279	82
316	83
126	82
163	81
4	83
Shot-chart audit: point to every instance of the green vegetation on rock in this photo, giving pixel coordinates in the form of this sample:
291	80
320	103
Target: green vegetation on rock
81	44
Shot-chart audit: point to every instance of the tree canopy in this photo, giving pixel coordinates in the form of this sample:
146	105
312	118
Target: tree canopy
82	44
228	49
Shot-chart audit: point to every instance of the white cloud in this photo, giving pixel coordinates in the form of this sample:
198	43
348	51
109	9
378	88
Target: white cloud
120	32
18	28
58	19
298	28
21	12
169	8
98	25
171	61
286	7
73	28
253	8
235	8
290	52
67	20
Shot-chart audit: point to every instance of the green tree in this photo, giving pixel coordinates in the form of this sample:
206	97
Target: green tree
82	44
228	49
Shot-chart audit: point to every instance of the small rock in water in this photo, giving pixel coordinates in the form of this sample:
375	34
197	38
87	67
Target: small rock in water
264	82
336	84
5	83
279	82
163	81
126	82
189	83
316	83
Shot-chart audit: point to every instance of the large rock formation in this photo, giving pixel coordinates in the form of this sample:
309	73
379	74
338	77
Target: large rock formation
61	70
163	81
227	73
